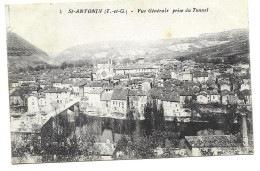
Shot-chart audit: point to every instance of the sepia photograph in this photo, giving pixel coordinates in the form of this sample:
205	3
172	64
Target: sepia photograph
127	80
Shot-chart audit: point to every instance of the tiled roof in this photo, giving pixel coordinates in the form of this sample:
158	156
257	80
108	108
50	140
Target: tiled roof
119	94
186	93
170	96
136	93
214	92
226	92
118	77
200	74
106	96
21	91
157	93
211	141
57	81
96	84
203	93
95	91
108	86
56	90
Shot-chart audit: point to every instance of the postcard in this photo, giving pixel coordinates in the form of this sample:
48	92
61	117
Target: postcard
118	80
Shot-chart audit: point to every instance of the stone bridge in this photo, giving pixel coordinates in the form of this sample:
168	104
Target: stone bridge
71	108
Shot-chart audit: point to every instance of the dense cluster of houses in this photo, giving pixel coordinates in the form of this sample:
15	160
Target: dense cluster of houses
108	90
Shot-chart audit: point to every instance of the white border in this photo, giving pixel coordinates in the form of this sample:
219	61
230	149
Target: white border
202	163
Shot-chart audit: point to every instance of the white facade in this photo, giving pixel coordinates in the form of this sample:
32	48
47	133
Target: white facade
55	100
118	108
171	109
244	87
58	85
33	106
225	87
215	98
201	99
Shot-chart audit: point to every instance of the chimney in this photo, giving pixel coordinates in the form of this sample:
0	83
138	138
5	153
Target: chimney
244	130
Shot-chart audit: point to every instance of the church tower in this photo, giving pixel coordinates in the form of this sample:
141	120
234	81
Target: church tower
110	61
110	66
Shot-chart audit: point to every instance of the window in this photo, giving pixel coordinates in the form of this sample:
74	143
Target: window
32	103
213	97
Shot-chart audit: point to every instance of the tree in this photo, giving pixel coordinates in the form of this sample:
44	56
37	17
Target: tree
130	122
159	120
148	119
154	118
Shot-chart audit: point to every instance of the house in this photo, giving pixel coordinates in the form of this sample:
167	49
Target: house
108	87
137	102
245	86
146	86
185	96
225	86
75	88
185	115
56	97
13	84
247	97
203	97
85	77
186	76
57	83
138	68
210	145
230	70
171	105
45	84
33	106
26	80
175	75
201	77
165	76
214	97
18	98
66	84
228	97
89	86
93	102
42	103
105	101
120	78
119	103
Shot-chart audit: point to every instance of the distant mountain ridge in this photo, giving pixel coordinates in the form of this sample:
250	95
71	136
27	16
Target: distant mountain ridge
203	45
21	53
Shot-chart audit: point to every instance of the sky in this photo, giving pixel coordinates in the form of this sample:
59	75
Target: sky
51	28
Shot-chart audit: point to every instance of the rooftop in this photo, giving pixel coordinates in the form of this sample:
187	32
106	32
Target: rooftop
212	141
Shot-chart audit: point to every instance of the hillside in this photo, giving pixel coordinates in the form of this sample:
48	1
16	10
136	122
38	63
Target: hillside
210	45
21	53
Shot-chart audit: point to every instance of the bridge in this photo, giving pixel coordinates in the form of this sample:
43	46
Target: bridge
24	123
71	107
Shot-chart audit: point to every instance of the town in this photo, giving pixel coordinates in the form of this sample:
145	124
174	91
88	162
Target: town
133	109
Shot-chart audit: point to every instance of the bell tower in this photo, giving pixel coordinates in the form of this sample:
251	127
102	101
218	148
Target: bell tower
110	61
